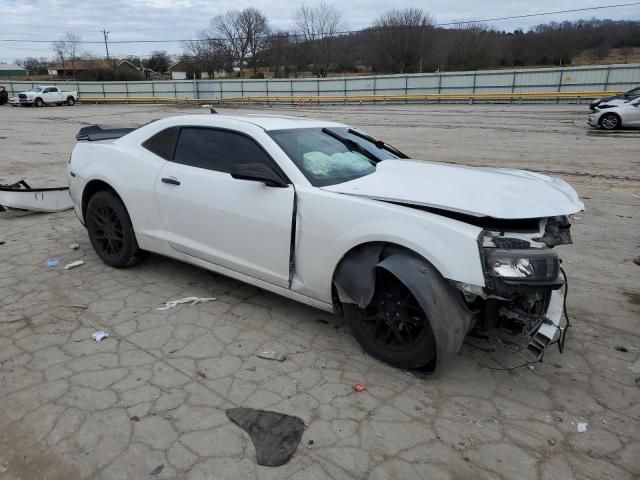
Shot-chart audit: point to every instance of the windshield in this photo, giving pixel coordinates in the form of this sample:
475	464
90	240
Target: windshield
331	155
37	89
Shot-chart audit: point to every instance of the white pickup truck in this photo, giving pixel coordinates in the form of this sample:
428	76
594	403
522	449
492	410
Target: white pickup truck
47	94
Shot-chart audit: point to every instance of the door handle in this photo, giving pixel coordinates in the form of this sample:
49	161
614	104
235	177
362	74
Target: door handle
171	181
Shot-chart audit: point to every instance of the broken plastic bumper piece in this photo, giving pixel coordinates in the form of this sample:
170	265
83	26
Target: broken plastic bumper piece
549	330
21	196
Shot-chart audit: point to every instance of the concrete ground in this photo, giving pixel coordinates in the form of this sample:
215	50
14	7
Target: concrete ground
149	401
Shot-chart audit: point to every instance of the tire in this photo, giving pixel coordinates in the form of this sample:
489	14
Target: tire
393	328
71	101
110	230
610	121
38	102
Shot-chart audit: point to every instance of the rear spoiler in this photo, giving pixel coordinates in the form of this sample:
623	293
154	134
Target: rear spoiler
94	133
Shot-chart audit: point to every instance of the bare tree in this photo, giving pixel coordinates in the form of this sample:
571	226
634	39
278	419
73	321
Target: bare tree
255	28
35	66
72	42
67	49
60	50
229	27
470	46
400	40
206	54
319	26
159	61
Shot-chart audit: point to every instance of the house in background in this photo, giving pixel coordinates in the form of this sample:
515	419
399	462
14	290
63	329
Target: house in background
9	70
67	69
184	70
179	70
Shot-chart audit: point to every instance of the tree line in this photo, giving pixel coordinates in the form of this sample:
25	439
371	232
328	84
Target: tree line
243	43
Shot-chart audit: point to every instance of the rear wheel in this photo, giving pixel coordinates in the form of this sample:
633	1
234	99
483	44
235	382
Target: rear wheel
70	101
610	121
393	327
110	230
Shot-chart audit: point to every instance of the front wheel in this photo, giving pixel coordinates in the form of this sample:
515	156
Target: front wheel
39	102
110	230
393	327
610	121
71	101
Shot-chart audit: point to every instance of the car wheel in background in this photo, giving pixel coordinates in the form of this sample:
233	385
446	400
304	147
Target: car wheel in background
71	101
110	230
39	102
393	327
610	121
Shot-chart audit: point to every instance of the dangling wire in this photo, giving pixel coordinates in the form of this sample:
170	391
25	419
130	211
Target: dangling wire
563	332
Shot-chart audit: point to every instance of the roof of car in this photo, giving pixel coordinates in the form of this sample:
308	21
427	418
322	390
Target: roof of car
266	122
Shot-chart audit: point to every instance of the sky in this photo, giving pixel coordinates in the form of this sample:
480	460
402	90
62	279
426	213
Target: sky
182	19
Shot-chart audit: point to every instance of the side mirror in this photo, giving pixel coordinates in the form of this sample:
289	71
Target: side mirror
258	172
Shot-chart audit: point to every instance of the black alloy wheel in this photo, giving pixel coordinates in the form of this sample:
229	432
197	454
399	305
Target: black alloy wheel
393	327
110	230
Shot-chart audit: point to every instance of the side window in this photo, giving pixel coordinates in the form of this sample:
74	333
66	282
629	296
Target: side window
46	90
53	89
217	150
163	143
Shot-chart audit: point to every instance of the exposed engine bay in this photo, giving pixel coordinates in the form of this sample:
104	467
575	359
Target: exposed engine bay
525	285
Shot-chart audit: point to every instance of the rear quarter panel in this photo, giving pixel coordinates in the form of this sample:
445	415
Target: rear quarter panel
130	171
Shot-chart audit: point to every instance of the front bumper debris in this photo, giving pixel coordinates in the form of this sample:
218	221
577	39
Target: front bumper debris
549	330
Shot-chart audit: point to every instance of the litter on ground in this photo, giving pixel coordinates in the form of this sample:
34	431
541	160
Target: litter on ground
53	262
273	355
74	246
581	427
358	387
99	335
275	436
189	300
75	264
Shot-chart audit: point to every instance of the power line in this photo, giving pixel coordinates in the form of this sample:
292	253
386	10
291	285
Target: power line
345	32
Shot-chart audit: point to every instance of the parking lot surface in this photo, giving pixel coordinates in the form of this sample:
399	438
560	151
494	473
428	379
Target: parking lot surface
149	401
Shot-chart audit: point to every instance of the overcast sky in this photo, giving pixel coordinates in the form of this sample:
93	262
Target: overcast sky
179	19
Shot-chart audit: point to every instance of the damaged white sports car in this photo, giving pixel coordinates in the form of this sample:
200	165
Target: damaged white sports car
414	253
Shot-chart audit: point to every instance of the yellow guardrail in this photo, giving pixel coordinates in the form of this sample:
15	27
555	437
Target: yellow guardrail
354	98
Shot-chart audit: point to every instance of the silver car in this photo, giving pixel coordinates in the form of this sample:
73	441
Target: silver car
626	115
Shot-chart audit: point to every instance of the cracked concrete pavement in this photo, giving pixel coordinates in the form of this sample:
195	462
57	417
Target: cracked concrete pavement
149	401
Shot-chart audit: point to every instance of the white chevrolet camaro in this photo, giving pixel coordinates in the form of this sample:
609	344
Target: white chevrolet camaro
414	253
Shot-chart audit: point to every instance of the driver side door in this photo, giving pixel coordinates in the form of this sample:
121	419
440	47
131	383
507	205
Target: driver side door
238	224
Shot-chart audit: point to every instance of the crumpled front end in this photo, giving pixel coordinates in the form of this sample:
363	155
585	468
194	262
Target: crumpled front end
525	286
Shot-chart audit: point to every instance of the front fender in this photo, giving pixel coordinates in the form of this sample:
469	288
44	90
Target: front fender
448	316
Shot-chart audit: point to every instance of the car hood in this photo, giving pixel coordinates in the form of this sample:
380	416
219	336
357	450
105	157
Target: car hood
478	191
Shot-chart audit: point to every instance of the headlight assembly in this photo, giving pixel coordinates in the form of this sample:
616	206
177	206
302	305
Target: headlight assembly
522	265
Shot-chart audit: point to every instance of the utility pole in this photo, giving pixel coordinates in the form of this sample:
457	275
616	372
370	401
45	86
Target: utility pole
106	45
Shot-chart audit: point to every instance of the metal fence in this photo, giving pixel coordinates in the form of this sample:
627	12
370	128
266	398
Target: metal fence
528	81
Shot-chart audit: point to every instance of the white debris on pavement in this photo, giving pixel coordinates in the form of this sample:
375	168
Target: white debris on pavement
75	264
99	335
582	427
189	300
273	355
74	246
